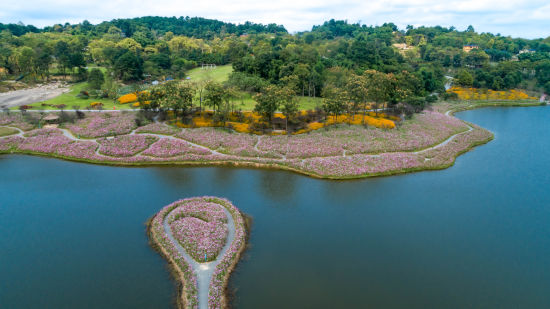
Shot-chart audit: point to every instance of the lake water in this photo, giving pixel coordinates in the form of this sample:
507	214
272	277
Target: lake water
474	235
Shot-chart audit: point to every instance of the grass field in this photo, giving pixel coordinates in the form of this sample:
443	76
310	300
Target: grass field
220	74
247	103
70	99
7	131
244	102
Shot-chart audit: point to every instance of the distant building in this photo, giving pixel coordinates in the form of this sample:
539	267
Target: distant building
527	51
469	48
401	46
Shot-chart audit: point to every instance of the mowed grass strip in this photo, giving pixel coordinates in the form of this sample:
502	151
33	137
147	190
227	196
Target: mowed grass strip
7	131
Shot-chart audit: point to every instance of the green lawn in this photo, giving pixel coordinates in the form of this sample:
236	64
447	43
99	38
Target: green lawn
70	99
7	131
220	74
246	102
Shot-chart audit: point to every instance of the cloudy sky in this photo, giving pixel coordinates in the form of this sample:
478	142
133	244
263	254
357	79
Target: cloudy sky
509	17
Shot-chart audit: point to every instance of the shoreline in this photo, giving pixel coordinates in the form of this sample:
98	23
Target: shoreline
251	162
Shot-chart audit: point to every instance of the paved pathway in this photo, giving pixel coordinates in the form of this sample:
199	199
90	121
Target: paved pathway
204	271
70	135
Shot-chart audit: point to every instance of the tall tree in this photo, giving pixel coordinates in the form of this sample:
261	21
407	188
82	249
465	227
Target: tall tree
214	95
267	102
289	104
129	67
334	100
96	78
378	87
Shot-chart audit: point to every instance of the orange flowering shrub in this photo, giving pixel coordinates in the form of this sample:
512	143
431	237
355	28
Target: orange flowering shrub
245	121
360	119
129	98
96	104
489	94
315	125
240	127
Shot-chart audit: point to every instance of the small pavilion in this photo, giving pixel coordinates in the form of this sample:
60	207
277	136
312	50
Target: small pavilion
51	118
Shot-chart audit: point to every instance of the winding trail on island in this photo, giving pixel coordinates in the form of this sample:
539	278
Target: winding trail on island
204	271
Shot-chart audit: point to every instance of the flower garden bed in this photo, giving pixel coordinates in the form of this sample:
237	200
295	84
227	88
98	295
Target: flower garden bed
199	224
125	145
103	124
158	128
338	152
16	121
166	148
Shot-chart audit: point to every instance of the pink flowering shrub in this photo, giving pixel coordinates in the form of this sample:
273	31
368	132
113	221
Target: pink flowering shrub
45	143
10	143
335	152
230	258
103	124
48	131
205	209
168	248
167	147
16	120
200	227
125	145
80	149
222	141
158	128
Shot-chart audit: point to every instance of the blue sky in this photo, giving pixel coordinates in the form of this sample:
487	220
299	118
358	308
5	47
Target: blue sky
516	18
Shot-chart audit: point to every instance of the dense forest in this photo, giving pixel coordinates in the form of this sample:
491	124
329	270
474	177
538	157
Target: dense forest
331	59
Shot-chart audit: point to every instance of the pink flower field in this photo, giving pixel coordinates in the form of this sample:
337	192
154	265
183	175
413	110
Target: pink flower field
200	225
125	145
103	124
158	128
166	148
335	152
16	120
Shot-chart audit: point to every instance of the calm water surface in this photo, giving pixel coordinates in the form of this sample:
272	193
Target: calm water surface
474	235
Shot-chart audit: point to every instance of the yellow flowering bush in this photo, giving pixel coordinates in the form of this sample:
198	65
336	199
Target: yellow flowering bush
127	98
245	121
489	94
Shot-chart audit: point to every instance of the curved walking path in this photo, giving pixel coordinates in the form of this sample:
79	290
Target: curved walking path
203	271
305	164
67	133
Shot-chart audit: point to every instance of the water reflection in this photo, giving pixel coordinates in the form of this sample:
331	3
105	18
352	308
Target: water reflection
473	235
174	176
278	186
224	176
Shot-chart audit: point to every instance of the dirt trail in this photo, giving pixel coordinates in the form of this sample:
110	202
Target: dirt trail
32	95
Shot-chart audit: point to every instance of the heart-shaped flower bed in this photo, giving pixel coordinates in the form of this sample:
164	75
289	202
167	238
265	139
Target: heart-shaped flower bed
187	229
201	228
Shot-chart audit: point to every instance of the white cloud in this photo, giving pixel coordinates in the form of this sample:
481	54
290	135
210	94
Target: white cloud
508	17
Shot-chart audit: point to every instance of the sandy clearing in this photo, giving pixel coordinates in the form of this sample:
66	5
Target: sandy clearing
32	95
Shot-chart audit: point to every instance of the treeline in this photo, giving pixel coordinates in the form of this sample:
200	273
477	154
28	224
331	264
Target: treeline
150	48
